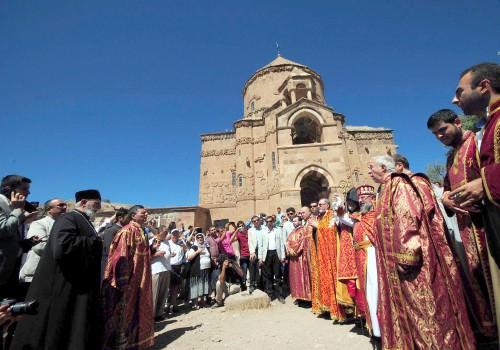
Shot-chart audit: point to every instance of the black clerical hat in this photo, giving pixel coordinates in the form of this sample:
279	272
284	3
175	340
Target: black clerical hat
87	194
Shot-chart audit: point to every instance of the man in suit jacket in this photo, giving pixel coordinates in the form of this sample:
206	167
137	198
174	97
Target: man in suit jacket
271	256
41	229
14	189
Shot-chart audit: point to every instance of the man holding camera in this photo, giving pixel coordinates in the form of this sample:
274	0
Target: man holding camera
229	279
15	212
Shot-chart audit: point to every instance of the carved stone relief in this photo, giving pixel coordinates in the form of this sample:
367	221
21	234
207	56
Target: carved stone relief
218	152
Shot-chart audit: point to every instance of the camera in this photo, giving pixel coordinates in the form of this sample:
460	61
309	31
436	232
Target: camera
21	308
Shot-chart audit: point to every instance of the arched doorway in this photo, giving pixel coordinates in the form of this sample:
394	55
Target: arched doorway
313	186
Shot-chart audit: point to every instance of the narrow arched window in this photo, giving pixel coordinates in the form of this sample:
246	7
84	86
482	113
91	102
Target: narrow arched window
233	179
300	91
273	160
240	180
306	130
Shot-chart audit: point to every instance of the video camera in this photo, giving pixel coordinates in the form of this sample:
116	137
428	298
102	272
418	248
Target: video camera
21	308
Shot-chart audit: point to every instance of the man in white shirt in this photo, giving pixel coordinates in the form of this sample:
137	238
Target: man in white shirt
254	237
271	255
41	229
178	251
160	271
288	224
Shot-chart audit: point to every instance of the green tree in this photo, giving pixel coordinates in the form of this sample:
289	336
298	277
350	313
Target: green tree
436	172
469	122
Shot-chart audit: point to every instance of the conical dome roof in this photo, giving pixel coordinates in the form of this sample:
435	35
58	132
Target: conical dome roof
279	61
281	65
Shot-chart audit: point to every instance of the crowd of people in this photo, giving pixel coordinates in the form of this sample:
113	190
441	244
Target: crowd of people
416	263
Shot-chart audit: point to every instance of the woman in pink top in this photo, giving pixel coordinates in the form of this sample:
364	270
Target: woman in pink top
242	238
226	243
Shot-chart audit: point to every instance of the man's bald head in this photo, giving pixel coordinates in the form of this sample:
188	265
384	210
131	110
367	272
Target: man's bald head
305	212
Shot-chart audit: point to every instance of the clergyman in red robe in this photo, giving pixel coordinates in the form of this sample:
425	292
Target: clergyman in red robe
478	93
364	246
421	303
463	167
298	247
127	288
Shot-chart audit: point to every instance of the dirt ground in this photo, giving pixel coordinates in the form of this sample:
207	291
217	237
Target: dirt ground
282	326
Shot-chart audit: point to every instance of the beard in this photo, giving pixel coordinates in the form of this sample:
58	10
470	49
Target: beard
475	104
365	208
90	213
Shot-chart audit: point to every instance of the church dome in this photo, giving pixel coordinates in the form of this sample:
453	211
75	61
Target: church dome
263	89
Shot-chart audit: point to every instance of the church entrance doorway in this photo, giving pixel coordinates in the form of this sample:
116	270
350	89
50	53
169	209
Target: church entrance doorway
313	186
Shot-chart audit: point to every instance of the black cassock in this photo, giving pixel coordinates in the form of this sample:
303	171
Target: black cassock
66	285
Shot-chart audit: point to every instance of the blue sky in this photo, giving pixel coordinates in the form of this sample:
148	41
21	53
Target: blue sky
114	94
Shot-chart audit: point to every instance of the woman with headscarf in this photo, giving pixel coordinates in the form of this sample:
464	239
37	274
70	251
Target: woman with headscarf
199	259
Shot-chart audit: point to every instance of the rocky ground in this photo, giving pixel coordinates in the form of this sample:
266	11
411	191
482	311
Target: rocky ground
281	326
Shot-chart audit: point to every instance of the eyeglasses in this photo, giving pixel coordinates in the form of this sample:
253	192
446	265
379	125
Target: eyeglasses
290	213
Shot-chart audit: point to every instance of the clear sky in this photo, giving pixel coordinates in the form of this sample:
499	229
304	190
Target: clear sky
114	94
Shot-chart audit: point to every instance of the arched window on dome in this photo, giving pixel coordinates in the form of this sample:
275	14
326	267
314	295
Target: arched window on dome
300	91
306	130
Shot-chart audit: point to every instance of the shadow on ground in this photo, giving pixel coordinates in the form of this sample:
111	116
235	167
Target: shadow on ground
162	340
162	324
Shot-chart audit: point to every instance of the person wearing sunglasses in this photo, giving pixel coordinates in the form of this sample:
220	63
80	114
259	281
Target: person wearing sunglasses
314	208
255	234
271	257
40	230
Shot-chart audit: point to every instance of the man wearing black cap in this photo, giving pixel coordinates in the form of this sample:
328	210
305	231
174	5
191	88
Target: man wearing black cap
66	284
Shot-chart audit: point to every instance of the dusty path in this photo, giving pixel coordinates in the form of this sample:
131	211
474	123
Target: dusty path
278	327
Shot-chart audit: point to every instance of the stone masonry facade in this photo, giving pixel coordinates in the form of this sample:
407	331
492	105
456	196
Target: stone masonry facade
289	147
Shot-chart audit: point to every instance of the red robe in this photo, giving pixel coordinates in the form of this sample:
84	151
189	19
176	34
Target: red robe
463	167
489	161
324	269
127	289
363	238
298	246
346	268
421	304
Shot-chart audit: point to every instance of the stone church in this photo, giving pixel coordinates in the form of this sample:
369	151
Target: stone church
288	149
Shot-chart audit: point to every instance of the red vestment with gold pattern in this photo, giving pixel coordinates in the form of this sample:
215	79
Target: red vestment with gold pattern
127	289
346	268
421	303
298	246
489	162
324	268
463	167
363	238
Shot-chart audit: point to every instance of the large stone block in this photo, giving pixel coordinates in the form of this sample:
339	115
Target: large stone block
246	301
